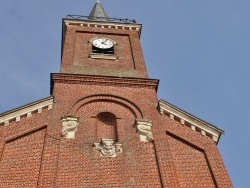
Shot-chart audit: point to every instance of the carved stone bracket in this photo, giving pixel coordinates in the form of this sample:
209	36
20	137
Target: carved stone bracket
108	147
69	126
143	127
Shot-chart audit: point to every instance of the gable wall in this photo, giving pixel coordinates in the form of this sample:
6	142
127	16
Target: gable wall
21	159
187	158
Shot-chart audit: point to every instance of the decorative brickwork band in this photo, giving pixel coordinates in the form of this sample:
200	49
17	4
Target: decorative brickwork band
143	127
69	126
108	147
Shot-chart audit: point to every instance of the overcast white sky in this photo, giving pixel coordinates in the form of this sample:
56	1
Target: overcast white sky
200	51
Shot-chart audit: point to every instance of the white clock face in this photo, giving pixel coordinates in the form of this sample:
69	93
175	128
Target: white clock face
103	43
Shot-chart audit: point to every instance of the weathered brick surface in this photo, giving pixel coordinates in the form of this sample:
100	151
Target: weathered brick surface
106	126
20	161
78	160
177	146
34	154
76	52
191	164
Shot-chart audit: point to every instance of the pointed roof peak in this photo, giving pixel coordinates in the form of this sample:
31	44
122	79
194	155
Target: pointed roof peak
98	12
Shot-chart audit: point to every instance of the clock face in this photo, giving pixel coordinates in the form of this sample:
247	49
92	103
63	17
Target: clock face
103	43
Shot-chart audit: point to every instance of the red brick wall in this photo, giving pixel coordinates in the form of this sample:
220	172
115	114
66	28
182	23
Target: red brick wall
162	162
186	158
106	126
191	165
21	150
83	166
177	158
20	161
76	52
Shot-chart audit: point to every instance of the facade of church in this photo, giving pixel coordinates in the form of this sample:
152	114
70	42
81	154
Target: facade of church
103	125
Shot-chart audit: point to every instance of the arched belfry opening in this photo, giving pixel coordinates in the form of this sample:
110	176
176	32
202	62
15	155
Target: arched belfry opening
106	126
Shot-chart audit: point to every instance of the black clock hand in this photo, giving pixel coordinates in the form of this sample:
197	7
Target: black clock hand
104	42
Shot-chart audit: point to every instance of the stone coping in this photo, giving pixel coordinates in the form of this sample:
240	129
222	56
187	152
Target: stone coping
190	120
26	110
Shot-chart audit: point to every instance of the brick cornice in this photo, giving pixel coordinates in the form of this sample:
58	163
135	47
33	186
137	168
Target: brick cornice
101	24
188	119
26	110
103	81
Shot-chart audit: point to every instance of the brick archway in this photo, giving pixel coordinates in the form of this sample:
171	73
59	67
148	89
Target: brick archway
107	98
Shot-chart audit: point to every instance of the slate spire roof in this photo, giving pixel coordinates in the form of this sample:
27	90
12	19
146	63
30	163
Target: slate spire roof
98	12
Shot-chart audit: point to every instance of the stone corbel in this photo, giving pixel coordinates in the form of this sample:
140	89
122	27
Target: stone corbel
108	147
69	126
143	127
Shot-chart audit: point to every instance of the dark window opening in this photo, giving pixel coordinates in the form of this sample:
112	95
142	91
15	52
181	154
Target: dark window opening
109	51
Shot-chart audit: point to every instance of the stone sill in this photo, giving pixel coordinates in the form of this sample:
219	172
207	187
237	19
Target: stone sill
103	56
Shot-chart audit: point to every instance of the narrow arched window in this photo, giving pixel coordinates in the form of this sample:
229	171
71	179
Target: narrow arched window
106	126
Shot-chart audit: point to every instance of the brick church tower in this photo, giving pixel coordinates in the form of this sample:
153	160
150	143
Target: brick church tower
103	125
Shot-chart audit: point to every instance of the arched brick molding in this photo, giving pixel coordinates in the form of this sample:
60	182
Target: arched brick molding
92	109
107	98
